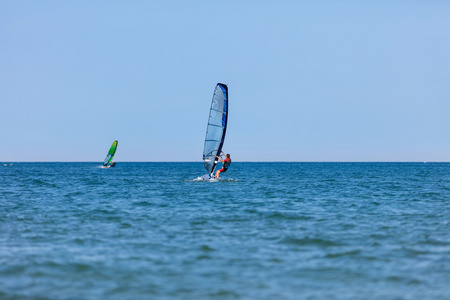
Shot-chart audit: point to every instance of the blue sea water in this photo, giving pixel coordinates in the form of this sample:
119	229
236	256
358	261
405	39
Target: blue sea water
265	231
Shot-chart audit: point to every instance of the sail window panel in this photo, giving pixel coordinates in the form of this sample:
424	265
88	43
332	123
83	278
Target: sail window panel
210	149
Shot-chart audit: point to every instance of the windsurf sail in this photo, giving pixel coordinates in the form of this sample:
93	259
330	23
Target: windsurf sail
111	153
217	127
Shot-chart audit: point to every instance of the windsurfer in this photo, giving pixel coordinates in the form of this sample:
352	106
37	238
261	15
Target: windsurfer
111	164
226	164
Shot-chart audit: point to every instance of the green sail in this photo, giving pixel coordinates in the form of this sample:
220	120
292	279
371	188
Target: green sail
111	153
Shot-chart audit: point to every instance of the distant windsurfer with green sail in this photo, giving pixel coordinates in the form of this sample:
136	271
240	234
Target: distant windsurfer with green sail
108	163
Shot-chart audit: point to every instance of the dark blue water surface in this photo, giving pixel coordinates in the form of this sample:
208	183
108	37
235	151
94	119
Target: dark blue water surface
266	231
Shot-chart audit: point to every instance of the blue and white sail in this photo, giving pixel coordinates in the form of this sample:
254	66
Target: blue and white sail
217	127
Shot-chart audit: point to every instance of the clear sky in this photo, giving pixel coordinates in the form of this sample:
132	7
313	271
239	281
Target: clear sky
308	80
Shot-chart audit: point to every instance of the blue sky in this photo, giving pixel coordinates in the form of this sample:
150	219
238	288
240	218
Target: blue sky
308	80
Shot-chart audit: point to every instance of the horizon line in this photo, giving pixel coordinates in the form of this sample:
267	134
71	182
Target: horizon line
272	161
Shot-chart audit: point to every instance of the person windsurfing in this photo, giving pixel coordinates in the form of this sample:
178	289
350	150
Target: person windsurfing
111	164
226	164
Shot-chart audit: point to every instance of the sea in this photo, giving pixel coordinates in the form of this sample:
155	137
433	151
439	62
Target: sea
265	230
